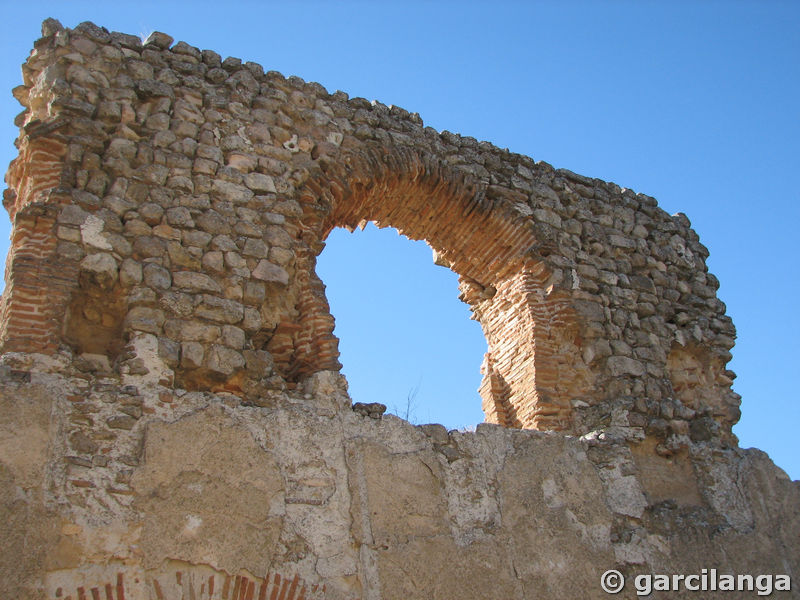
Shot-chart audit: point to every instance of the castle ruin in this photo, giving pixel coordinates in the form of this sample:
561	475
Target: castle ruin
174	423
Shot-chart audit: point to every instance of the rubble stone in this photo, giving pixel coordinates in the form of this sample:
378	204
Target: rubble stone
174	422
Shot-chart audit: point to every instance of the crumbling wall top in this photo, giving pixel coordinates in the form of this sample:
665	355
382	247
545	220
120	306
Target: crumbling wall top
171	205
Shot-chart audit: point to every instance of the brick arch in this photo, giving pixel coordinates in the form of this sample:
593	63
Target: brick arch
201	205
532	369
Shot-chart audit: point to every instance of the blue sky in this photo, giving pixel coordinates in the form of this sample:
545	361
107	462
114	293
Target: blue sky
695	103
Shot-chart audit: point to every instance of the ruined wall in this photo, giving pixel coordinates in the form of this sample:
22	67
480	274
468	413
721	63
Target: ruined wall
174	423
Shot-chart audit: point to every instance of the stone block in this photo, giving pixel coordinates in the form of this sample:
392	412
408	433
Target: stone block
156	276
192	354
223	361
220	310
158	40
186	330
260	183
620	366
232	192
233	337
101	269
142	318
195	282
180	217
266	271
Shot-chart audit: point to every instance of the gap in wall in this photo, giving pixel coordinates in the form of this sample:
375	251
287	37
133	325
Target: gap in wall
403	333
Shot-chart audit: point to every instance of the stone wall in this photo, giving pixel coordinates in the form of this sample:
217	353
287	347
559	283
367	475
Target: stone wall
175	425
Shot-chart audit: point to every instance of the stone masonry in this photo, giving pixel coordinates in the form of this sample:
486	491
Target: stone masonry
174	421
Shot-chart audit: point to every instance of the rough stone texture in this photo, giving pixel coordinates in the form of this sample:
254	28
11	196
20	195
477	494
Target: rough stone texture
174	423
172	183
199	489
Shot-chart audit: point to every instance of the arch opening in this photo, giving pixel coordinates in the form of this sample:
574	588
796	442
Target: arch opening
533	370
405	339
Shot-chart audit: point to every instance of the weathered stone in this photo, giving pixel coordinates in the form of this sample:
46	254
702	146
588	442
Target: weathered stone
101	268
641	283
373	410
231	192
183	330
119	244
192	354
121	422
156	276
183	258
170	351
81	443
212	222
547	216
266	271
223	361
619	366
259	183
69	234
220	310
137	227
281	256
277	236
259	362
141	296
234	260
254	292
178	303
214	261
158	40
251	320
96	363
199	239
195	282
149	247
142	318
51	26
180	217
255	248
167	232
72	215
233	337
